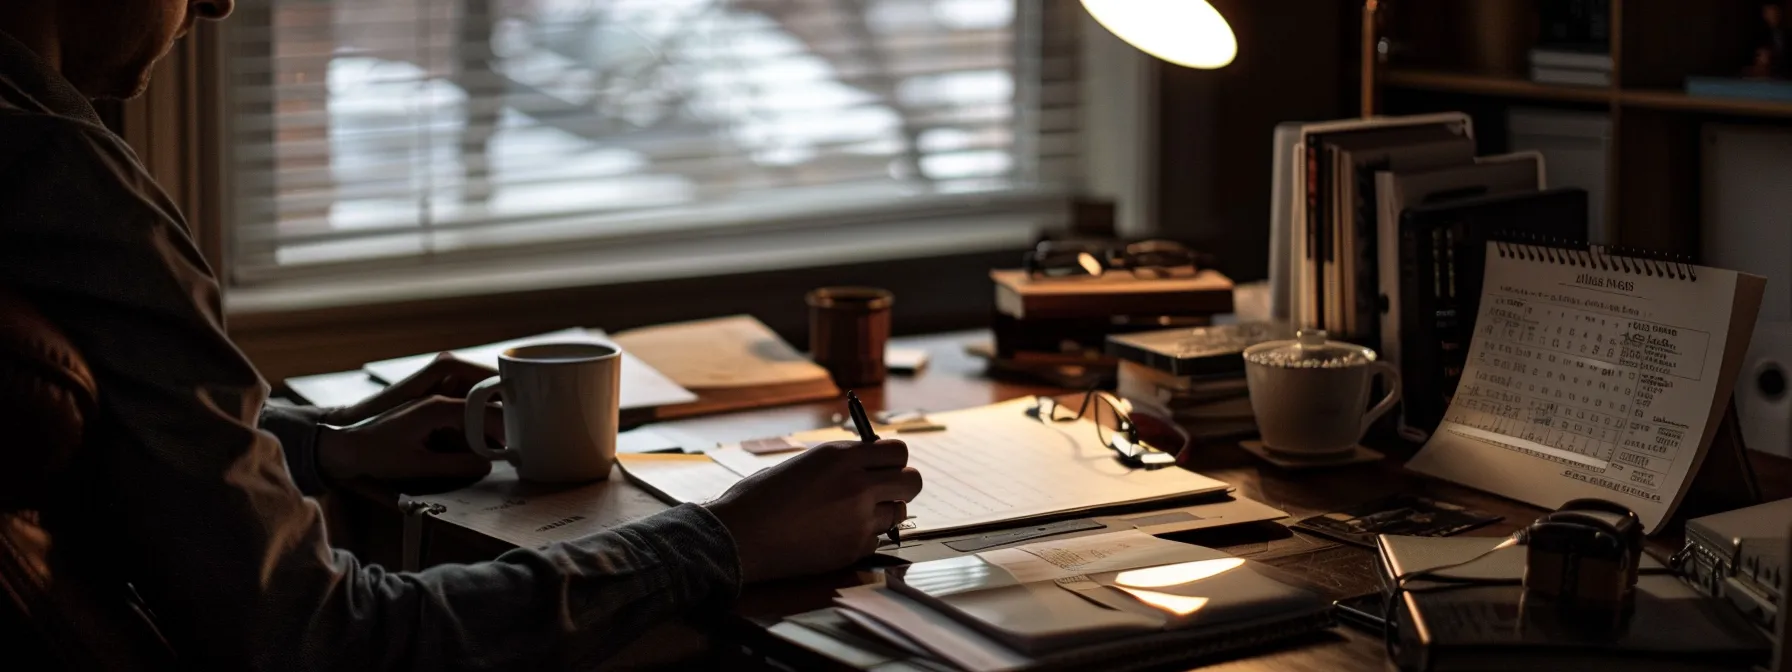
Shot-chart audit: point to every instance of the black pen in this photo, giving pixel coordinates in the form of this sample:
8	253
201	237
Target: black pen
856	410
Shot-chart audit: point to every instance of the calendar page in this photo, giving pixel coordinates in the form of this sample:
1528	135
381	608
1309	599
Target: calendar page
1587	377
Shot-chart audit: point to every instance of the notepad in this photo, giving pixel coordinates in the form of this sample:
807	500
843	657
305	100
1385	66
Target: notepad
993	464
731	363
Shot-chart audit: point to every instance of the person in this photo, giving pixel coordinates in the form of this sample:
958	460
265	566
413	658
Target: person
201	482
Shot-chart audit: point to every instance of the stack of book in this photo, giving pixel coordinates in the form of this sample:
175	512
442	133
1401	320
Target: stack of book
1573	43
1380	230
1576	67
1045	323
1193	376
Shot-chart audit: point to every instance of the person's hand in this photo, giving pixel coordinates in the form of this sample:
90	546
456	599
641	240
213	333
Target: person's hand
819	511
446	376
420	439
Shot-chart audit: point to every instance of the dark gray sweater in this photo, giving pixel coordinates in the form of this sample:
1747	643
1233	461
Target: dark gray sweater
209	521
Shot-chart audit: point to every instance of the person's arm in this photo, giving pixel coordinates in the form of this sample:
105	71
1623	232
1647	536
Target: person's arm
225	551
297	429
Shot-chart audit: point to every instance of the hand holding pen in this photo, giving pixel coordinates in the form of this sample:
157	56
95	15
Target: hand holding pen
856	409
824	509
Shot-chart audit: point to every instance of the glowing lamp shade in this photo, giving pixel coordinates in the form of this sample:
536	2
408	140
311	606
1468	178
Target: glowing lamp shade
1185	32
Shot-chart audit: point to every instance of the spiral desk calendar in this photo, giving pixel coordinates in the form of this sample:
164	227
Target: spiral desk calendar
1594	373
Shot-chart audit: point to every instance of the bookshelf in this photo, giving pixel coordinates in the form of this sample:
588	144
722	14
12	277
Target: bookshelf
1472	55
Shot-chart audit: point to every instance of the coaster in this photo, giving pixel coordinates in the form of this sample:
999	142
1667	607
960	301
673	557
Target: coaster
1357	455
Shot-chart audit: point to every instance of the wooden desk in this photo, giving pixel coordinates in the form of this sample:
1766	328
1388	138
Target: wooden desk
368	523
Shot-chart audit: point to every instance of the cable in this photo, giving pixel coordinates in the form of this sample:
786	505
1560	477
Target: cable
1389	636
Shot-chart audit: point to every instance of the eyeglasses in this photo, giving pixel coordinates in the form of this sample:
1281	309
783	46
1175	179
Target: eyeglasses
1150	258
1139	440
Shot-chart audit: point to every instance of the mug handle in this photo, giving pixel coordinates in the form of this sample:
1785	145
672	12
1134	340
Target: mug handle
477	398
1391	375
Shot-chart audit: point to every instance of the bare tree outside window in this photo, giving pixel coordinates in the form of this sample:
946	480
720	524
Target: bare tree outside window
386	128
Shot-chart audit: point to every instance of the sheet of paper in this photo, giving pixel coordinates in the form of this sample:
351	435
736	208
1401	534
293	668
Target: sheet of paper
642	385
945	637
997	464
342	388
1234	511
1112	552
532	515
679	478
905	359
646	440
737	351
1584	382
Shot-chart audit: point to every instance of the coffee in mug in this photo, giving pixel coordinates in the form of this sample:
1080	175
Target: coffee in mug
560	410
1309	394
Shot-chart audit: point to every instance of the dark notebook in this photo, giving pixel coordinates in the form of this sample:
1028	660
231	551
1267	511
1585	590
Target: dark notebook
1455	627
1443	249
1198	352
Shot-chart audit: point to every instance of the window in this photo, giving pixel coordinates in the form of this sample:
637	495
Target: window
360	132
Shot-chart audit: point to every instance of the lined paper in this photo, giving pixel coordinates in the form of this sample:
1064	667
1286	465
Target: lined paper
997	464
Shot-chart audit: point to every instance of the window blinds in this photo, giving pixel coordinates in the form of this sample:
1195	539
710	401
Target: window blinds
366	131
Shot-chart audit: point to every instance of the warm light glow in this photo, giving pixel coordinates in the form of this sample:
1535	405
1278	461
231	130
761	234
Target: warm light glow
1179	605
1177	574
1089	263
1185	32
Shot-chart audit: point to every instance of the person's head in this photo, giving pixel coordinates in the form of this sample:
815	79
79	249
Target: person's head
107	48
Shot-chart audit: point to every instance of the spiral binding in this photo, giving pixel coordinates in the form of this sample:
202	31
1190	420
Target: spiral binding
1608	258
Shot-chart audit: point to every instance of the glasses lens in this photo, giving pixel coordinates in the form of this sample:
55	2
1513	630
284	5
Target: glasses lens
1066	259
1158	254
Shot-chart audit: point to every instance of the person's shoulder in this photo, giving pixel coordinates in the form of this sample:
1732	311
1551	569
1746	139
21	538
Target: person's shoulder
33	143
73	166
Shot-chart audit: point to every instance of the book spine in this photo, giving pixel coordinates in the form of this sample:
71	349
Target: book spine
1367	283
1451	348
1421	283
1316	282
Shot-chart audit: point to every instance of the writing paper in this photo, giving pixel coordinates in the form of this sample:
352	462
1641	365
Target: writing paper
997	464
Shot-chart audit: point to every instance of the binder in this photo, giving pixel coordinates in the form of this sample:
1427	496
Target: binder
1442	251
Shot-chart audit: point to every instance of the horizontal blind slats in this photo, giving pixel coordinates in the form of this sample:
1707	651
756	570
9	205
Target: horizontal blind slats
452	124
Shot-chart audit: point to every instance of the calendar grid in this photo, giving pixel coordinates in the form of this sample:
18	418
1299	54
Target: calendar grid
1565	380
1590	374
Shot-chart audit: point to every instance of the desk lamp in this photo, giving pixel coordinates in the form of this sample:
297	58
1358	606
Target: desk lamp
1189	33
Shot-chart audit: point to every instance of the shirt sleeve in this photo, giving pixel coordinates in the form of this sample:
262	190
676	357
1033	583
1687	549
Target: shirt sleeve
297	428
230	557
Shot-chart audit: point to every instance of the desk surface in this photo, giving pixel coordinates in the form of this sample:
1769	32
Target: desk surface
955	380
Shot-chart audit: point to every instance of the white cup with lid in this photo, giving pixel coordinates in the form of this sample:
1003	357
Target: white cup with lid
1309	393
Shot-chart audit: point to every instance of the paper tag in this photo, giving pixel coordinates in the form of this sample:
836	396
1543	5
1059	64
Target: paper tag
905	359
770	446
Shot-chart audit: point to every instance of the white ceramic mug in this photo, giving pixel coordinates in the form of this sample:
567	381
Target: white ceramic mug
560	410
1314	408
